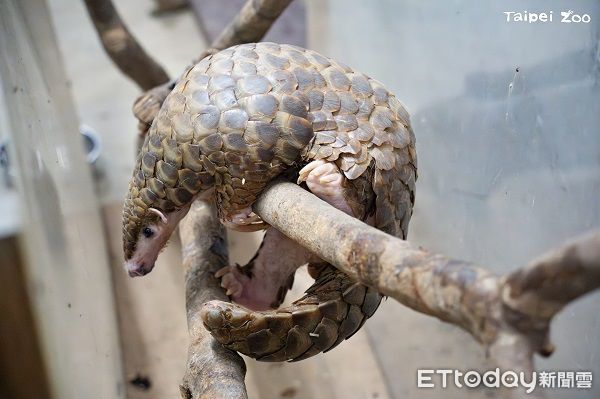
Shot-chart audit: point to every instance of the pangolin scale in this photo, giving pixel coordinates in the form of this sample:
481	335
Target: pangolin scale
240	118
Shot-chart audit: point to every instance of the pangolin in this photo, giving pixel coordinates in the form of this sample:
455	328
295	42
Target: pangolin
235	121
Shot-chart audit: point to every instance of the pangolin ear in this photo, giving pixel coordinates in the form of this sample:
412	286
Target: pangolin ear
159	213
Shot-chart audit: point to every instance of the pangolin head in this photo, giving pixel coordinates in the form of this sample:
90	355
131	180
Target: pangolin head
147	226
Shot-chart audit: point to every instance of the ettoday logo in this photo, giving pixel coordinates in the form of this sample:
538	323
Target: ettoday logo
441	378
473	378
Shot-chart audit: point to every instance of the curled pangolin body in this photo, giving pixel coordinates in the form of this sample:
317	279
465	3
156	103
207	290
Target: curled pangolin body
333	309
241	117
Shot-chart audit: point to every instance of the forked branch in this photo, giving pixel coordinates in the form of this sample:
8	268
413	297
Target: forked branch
509	315
122	47
252	23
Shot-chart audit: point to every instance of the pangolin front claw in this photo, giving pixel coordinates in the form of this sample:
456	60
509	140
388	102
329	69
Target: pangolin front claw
306	170
332	310
244	220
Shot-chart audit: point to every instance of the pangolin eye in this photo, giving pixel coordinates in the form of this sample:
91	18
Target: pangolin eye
147	232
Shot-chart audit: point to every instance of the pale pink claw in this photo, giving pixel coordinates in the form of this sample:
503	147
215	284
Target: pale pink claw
244	220
232	280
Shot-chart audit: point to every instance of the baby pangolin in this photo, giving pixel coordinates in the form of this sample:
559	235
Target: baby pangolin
234	122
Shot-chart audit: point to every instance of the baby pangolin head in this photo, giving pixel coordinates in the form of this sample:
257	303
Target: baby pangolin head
146	231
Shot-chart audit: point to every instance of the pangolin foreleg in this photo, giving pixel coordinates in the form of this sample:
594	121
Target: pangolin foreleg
243	220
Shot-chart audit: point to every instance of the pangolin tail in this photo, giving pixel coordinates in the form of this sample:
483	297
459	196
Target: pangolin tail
332	310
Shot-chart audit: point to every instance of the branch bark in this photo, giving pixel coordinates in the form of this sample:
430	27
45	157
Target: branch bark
509	315
454	291
252	23
122	47
212	370
539	289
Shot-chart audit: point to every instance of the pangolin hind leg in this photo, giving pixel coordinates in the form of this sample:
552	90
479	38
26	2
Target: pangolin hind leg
326	182
333	309
263	282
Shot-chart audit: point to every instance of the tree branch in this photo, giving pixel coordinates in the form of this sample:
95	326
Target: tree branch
550	282
510	315
122	47
212	370
252	23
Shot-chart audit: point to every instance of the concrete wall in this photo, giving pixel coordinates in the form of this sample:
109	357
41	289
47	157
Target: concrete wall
507	120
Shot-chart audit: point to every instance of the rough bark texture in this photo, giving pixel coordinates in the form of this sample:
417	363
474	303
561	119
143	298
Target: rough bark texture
212	370
252	22
428	283
122	47
539	289
509	315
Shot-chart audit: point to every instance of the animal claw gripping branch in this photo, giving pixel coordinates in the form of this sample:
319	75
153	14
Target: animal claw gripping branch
239	119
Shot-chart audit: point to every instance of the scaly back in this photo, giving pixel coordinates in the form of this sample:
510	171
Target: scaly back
242	116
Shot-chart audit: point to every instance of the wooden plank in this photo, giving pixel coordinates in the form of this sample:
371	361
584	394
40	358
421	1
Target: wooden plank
22	371
66	271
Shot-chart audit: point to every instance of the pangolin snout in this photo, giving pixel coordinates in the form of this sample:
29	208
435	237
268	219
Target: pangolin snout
138	269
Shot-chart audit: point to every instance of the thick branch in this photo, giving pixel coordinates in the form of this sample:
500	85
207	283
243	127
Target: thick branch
252	22
122	47
534	294
452	290
540	290
212	371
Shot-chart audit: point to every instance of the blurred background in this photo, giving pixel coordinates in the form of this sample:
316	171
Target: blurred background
507	120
